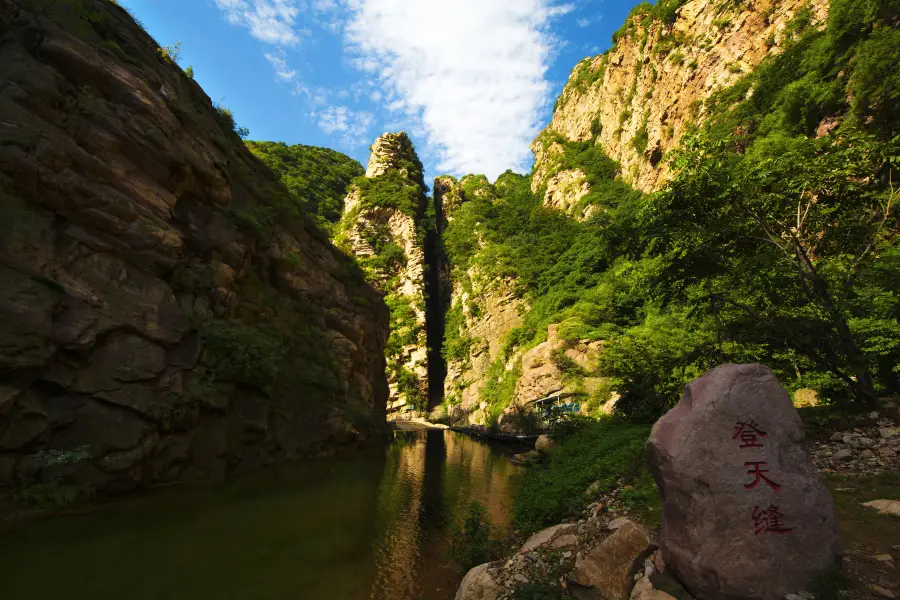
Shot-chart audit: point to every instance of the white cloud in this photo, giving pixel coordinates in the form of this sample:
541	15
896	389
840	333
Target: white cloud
472	76
584	22
282	71
270	21
352	126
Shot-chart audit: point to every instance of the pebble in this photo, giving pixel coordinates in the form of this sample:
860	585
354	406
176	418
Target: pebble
873	415
837	437
520	578
883	557
806	595
844	454
882	592
567	554
792	597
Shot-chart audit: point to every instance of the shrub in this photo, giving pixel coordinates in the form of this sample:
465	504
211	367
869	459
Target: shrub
245	353
471	540
171	53
606	451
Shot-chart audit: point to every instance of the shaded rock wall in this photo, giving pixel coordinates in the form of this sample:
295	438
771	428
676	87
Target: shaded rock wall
164	308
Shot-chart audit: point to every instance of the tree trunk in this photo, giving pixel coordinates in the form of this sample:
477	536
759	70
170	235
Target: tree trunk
863	386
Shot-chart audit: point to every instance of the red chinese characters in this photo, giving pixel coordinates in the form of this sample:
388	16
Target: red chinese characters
768	520
763	520
748	432
757	471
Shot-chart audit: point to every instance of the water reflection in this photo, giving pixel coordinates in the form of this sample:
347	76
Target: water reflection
430	478
368	526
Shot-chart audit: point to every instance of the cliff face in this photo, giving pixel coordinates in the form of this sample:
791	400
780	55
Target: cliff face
480	310
385	225
166	310
637	100
617	117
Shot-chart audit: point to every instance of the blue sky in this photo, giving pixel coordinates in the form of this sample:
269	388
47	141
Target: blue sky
472	81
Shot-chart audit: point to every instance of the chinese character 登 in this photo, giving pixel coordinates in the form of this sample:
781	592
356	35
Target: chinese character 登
748	433
768	520
758	473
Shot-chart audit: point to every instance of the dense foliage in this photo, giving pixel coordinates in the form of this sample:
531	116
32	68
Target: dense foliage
609	452
317	178
371	231
776	241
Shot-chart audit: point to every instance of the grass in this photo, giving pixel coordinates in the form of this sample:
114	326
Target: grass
608	451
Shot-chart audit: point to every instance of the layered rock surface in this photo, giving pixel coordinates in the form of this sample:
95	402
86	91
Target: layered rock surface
384	225
637	99
165	312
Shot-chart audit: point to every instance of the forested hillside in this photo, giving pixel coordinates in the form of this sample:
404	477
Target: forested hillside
774	239
317	178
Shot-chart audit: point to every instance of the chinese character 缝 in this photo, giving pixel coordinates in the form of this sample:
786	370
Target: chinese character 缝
757	472
768	520
748	433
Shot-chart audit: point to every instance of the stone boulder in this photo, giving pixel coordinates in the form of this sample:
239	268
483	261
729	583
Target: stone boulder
606	573
548	537
745	512
478	584
644	590
544	444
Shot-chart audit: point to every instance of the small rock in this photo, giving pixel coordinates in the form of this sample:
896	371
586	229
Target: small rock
567	554
478	584
607	569
844	454
887	452
873	415
564	541
805	595
520	578
546	536
658	562
888	432
644	590
616	523
836	437
792	597
882	592
545	444
592	489
885	507
883	557
867	454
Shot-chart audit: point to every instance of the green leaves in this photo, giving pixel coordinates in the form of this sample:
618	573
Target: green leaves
317	178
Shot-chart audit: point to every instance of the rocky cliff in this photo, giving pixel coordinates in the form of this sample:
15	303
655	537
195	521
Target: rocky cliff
617	117
637	99
167	311
385	225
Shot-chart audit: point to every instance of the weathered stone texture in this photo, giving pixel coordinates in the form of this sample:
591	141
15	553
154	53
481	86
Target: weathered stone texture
643	88
366	221
741	496
121	189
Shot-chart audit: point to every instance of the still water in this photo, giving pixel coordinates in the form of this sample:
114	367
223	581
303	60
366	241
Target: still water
367	526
